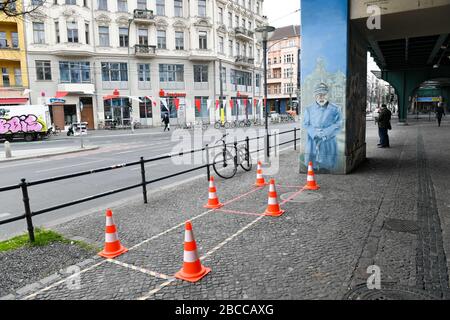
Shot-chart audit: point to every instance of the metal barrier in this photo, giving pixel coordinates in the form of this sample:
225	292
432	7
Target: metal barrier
24	185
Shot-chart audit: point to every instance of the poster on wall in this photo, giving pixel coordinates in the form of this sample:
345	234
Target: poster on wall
324	64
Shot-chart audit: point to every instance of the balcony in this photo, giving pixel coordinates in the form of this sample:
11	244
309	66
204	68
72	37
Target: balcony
81	88
143	50
143	16
201	55
243	34
245	61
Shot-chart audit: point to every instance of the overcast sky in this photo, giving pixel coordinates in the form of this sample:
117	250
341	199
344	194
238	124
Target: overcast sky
280	12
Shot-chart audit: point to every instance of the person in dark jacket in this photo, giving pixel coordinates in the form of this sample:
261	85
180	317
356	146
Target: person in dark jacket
439	112
384	125
166	122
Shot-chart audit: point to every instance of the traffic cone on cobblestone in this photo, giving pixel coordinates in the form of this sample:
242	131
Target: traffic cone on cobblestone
192	269
273	207
113	248
260	182
213	200
311	180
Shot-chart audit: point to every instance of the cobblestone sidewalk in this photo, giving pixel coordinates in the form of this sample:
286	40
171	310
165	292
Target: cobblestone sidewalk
388	213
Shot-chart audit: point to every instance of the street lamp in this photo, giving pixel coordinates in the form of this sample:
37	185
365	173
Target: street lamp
264	33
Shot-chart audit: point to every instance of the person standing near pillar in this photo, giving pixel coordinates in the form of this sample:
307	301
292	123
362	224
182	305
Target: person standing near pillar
440	112
384	125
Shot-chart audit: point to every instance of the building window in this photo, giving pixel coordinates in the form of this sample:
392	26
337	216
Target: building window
114	71
74	2
289	58
37	2
3	40
143	37
250	51
58	39
103	5
179	40
258	8
250	25
288	88
43	70
221	15
85	3
72	32
38	32
230	20
161	39
171	73
224	75
243	23
145	108
123	37
18	76
5	76
202	40
221	45
238	49
230	47
202	8
236	21
86	32
203	111
74	72
15	39
200	73
258	80
122	5
160	7
103	33
288	73
142	4
144	72
178	8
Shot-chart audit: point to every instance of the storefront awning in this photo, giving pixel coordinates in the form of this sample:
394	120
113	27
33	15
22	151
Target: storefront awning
13	100
61	94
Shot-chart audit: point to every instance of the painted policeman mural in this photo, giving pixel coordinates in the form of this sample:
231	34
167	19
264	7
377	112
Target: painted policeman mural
323	122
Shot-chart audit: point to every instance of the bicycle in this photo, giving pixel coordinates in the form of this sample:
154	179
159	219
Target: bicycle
218	124
225	164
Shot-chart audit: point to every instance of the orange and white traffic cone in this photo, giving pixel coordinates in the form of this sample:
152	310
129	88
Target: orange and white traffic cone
192	269
113	248
213	200
273	207
311	180
260	182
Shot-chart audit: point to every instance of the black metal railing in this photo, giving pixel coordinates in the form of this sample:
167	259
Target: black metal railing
144	49
143	14
24	185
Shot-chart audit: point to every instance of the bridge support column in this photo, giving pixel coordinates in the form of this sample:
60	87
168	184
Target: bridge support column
334	73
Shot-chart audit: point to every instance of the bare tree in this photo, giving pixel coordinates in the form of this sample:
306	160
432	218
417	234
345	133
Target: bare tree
13	8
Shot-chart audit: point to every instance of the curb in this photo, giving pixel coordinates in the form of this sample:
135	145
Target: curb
49	155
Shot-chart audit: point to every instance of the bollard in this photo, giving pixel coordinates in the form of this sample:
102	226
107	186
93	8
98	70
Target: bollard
235	153
247	144
208	170
8	153
295	138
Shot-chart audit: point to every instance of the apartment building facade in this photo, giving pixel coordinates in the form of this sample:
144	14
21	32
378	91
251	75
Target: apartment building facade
283	68
13	62
164	53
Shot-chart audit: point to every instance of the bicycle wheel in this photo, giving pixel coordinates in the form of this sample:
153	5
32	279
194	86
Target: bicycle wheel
242	160
227	125
233	124
217	125
224	168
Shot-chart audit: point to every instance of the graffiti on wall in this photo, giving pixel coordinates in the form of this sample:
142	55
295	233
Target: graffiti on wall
24	123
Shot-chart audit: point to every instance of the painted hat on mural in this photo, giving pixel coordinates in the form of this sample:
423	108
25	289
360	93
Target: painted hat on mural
321	88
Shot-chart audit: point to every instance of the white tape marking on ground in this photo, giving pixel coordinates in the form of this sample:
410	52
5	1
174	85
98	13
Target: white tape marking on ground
3	215
64	280
151	273
220	245
146	167
158	288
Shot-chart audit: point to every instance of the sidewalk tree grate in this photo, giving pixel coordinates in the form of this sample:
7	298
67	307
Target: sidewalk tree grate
398	225
305	196
389	292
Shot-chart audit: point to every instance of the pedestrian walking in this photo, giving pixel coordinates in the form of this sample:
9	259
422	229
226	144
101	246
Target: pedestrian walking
439	112
166	122
384	125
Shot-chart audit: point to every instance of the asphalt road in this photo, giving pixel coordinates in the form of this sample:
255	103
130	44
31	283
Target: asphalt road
116	147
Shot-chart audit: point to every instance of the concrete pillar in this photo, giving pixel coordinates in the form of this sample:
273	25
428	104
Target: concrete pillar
334	71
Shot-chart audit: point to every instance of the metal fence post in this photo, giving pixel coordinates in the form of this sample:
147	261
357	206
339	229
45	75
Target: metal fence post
208	170
268	145
235	153
247	142
295	138
26	202
144	182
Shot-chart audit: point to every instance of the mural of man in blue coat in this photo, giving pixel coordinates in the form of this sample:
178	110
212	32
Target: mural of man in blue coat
323	122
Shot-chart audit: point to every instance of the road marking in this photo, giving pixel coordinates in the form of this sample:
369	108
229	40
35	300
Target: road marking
148	166
151	273
3	215
158	288
71	166
239	212
142	149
